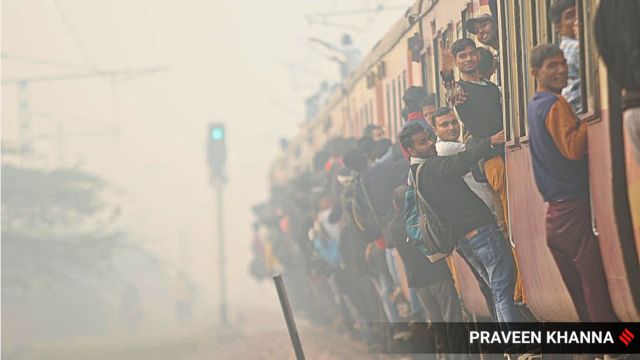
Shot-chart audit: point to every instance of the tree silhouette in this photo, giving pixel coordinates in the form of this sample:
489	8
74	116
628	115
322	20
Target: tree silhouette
56	224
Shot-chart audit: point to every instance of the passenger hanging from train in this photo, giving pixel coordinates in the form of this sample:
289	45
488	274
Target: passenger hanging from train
617	33
478	103
431	283
486	63
381	148
413	99
447	127
360	294
485	28
563	15
368	147
558	154
373	187
455	215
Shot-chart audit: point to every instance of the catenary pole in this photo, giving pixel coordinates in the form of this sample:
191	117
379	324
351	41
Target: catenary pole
219	184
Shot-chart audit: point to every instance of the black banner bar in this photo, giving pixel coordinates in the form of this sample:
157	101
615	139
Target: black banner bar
535	338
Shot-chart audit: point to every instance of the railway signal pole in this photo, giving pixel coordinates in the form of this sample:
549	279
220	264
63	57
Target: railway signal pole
216	158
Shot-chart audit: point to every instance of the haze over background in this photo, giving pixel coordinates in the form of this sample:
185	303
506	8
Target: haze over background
144	136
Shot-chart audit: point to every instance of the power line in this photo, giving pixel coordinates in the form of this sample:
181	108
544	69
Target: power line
72	33
98	73
45	62
24	109
352	12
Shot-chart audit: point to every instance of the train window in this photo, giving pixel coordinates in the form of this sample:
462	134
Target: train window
589	95
518	67
505	66
464	15
373	116
347	124
404	79
436	69
388	93
577	45
518	35
425	71
400	91
395	106
367	119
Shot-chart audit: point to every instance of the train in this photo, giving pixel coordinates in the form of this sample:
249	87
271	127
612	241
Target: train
408	55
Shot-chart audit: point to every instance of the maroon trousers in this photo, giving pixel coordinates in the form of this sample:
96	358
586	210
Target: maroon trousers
577	253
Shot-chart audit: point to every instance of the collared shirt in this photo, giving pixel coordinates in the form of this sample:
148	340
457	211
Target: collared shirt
571	49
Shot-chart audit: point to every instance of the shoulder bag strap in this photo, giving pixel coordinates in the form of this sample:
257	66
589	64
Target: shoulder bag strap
370	205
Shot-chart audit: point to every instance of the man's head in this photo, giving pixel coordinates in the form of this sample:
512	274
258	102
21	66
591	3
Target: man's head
418	141
413	97
486	64
549	67
356	160
367	146
446	124
428	106
375	132
381	148
346	39
563	15
485	28
466	55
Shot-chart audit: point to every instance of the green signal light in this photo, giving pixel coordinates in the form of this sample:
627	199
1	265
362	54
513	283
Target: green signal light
217	134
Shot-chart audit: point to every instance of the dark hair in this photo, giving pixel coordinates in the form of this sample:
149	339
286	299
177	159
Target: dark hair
406	135
413	97
430	100
461	44
319	159
486	60
558	7
542	52
617	33
439	112
355	160
366	145
368	130
381	148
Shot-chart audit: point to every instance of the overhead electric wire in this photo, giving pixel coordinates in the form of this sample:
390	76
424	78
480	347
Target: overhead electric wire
99	73
72	33
44	62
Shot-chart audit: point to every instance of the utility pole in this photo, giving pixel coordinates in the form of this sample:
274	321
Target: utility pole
219	185
216	157
25	116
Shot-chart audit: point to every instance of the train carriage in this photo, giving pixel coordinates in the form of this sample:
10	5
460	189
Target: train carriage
409	55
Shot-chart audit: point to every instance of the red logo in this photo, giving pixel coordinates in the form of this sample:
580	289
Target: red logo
626	337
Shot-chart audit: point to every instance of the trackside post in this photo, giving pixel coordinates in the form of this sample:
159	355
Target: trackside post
288	316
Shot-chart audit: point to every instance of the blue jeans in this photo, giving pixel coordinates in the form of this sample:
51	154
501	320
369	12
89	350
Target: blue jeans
385	287
488	253
417	312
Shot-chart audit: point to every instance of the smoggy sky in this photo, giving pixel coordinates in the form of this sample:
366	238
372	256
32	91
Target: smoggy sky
146	135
